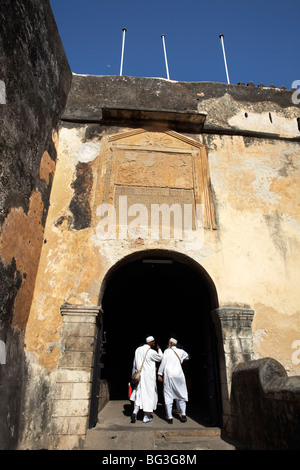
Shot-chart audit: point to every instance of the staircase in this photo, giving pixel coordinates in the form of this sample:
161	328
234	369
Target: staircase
115	432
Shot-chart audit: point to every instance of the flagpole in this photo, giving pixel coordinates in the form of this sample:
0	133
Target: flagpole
225	62
122	56
165	53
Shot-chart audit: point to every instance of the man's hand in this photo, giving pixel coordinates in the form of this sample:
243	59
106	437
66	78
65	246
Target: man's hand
160	379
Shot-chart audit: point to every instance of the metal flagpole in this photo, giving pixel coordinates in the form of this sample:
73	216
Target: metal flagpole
166	60
122	56
222	41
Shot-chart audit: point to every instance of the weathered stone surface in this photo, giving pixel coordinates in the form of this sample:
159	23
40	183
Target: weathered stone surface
230	108
266	406
79	205
71	407
35	80
235	151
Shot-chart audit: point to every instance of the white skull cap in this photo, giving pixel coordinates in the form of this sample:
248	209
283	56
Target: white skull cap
149	339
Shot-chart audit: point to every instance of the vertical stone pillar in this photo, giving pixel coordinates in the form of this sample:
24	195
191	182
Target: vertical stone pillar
74	376
235	345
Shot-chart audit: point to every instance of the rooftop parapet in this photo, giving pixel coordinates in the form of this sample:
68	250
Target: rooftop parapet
188	106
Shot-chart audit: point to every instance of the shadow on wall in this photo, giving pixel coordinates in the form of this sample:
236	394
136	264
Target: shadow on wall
35	82
265	406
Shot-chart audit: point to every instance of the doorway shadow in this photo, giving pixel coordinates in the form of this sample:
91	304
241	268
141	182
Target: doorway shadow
193	414
154	295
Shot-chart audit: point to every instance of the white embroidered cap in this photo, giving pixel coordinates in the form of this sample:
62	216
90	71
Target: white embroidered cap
149	339
172	340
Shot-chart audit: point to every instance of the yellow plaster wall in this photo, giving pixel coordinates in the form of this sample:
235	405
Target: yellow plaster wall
256	184
252	257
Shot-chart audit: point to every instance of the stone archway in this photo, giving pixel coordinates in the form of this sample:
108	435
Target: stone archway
74	392
162	293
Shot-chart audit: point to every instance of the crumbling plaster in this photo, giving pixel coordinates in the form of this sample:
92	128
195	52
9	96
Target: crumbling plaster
35	82
256	189
265	116
251	257
251	254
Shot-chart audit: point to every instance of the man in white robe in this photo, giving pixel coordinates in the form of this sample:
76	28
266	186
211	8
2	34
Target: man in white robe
171	374
145	395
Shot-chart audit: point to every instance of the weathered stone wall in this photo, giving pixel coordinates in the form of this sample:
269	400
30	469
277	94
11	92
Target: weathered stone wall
35	79
248	149
266	406
252	139
234	149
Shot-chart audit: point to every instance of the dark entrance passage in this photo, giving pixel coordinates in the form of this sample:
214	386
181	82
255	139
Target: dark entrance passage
163	297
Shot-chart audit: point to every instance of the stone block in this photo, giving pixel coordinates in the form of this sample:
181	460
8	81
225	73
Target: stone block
81	343
59	425
64	391
76	359
73	375
79	329
74	442
70	408
80	319
78	425
69	425
81	391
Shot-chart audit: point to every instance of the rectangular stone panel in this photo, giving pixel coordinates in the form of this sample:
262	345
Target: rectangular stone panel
75	343
154	208
154	168
80	329
76	359
70	408
73	375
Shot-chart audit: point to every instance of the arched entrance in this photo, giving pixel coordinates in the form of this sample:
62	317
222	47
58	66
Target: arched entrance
163	294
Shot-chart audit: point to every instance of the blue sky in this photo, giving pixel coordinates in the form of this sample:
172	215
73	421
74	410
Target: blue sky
261	38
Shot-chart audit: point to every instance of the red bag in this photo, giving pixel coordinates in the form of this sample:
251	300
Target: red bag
129	390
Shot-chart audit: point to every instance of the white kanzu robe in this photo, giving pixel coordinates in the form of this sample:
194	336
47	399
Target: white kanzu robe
145	394
174	379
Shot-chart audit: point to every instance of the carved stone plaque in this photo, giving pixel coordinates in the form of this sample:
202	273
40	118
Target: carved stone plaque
150	167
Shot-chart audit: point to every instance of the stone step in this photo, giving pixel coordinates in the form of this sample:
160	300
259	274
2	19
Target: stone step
137	439
195	443
114	431
185	434
200	432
